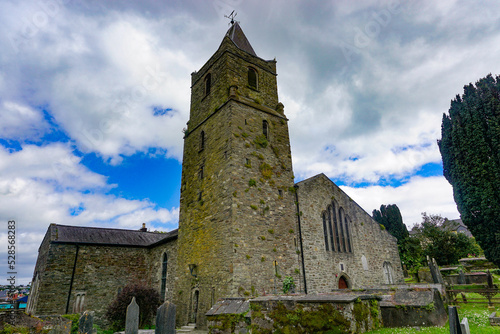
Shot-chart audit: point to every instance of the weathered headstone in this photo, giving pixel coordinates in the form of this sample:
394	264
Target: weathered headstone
132	319
461	277
86	323
489	278
405	271
454	320
432	270
464	325
165	319
440	279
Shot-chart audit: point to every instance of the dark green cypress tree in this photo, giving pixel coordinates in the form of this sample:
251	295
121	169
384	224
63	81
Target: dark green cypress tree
390	217
470	148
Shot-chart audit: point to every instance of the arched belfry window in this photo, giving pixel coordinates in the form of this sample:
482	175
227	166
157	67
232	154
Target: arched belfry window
163	276
265	129
252	78
208	83
202	140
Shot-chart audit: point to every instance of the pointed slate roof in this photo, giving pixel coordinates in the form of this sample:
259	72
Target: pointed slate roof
235	33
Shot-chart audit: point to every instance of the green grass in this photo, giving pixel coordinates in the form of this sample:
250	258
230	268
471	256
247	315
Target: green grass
477	314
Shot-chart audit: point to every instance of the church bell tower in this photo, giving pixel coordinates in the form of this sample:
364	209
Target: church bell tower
238	220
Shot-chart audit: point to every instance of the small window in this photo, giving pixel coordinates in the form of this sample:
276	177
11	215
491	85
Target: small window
280	193
208	83
202	140
252	78
200	195
265	129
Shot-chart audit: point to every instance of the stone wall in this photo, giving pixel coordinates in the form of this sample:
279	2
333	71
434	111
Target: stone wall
344	313
371	245
100	272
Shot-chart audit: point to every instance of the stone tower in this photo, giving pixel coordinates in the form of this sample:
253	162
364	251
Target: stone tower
238	219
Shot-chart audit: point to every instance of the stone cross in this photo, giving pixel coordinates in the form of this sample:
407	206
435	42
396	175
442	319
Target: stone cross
132	319
86	323
165	319
455	327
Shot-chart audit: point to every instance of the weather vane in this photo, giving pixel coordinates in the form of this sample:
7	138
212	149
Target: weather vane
231	16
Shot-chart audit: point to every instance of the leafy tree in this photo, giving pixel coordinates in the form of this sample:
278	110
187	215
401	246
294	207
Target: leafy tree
390	217
470	148
445	246
147	298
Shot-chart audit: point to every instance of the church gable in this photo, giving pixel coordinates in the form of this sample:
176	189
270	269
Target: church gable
342	244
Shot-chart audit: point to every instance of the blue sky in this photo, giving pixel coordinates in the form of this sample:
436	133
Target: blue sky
94	96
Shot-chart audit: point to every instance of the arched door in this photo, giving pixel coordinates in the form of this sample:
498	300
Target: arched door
342	283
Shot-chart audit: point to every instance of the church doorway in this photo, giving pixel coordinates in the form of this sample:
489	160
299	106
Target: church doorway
342	283
194	309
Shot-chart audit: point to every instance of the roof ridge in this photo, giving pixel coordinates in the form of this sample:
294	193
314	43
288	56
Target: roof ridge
108	228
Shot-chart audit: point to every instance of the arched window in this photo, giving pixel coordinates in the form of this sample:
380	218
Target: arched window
252	78
202	140
336	228
265	129
163	277
325	231
347	236
329	209
208	83
388	273
341	228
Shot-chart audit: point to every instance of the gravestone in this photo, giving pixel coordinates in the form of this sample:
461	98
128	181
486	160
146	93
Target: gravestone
165	319
86	323
132	319
489	278
432	270
461	277
464	325
455	327
440	279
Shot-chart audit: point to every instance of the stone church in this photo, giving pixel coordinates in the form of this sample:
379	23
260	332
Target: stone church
243	226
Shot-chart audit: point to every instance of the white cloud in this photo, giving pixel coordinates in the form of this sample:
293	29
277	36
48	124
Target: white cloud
18	121
432	195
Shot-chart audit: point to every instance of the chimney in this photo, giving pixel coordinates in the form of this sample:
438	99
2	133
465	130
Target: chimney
143	228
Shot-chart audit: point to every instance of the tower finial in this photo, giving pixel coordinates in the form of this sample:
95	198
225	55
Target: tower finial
231	16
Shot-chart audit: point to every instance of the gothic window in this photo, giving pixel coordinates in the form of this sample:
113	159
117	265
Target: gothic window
330	232
252	78
388	273
336	228
341	228
164	277
208	83
331	219
202	140
265	129
347	236
325	231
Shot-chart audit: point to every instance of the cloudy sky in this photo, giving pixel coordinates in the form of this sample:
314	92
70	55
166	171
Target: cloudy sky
94	96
